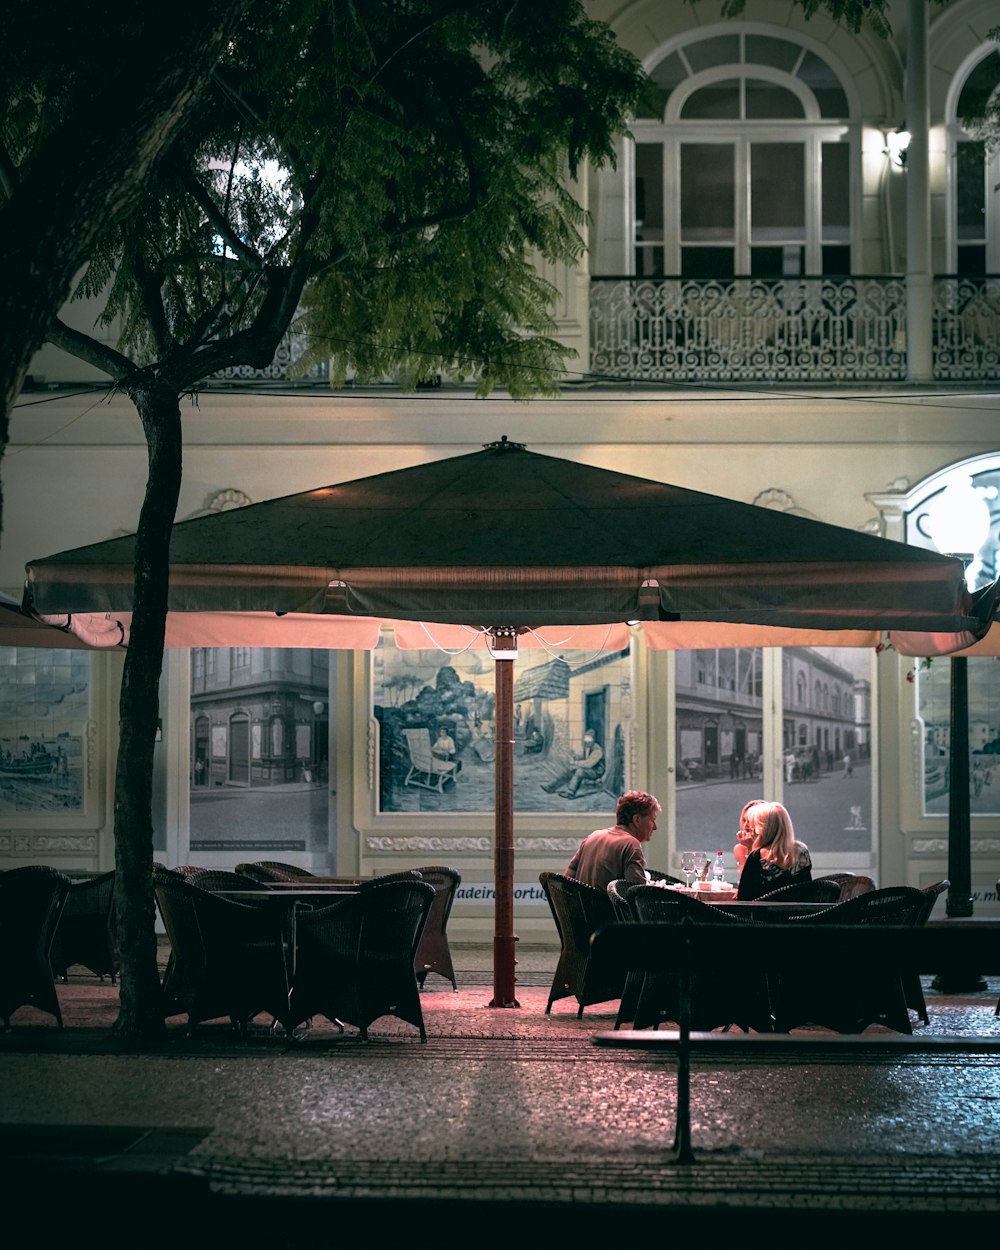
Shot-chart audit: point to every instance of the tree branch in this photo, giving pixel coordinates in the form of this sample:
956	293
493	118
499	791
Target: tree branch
95	353
208	206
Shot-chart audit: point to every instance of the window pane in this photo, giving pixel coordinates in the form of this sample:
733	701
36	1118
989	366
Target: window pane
708	194
825	86
708	262
777	53
934	711
826	740
663	79
719	709
259	750
777	192
972	260
970	190
979	86
767	99
836	259
777	262
719	101
717	50
836	191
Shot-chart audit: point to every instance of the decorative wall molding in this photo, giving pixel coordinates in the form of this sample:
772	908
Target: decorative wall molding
38	844
381	844
938	847
408	843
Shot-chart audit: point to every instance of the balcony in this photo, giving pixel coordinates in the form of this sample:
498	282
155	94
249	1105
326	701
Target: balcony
831	329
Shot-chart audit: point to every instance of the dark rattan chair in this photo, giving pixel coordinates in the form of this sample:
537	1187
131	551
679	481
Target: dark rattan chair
85	934
265	870
804	892
847	999
618	892
578	910
228	959
912	987
655	874
721	997
216	879
434	953
355	958
31	901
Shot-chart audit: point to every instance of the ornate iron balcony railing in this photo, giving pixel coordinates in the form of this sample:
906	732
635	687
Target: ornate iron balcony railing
846	329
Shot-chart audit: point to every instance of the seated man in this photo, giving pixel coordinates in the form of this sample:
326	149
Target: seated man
587	764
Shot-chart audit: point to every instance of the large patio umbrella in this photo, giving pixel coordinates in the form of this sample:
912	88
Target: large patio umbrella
507	540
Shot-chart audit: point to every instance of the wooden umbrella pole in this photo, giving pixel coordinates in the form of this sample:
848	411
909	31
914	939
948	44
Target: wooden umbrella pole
503	928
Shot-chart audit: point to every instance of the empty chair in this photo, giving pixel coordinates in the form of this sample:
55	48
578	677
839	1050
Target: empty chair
355	959
216	879
434	953
804	892
578	910
842	997
273	870
721	997
618	892
912	987
227	959
85	934
31	900
854	885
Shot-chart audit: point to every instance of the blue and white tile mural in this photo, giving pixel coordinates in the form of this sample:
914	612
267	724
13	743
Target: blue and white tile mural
44	708
436	714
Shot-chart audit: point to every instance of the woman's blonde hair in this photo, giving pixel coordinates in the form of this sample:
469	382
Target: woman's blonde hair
775	835
744	816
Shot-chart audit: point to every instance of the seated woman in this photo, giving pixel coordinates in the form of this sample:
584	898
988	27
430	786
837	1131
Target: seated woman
777	858
744	836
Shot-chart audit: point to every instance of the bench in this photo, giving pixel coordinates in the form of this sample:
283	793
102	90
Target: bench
688	947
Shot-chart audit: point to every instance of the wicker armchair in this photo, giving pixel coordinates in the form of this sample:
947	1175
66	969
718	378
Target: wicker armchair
618	892
912	987
228	959
355	958
578	910
85	934
215	879
820	891
721	997
851	884
655	874
847	999
31	901
264	870
434	953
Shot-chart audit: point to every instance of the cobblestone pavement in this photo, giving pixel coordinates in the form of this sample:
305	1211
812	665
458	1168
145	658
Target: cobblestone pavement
508	1122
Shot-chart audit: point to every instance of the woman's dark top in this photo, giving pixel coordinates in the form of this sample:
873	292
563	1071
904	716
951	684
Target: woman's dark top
760	876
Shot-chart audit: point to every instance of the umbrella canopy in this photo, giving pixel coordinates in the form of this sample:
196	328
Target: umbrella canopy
508	536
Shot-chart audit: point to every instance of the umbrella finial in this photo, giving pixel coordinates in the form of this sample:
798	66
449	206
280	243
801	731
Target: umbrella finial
504	445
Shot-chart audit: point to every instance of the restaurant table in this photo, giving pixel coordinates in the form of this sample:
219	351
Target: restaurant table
292	896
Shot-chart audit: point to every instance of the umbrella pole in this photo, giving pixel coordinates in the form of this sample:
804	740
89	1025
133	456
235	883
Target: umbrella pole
503	841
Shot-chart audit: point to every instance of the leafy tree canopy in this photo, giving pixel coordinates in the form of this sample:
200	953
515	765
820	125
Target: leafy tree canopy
390	170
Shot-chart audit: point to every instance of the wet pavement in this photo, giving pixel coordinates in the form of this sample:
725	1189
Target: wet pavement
507	1123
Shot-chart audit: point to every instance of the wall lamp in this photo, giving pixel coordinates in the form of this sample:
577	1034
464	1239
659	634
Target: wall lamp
896	143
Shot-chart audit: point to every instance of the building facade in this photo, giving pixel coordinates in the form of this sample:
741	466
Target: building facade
762	314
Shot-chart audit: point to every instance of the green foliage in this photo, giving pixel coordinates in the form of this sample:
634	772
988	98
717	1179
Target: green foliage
388	174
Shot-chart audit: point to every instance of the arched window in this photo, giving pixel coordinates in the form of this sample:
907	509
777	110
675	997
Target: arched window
800	690
975	173
744	162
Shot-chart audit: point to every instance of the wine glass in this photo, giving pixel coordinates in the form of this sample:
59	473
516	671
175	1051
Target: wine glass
689	865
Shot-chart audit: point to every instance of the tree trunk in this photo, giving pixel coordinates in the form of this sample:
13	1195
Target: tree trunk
141	1012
